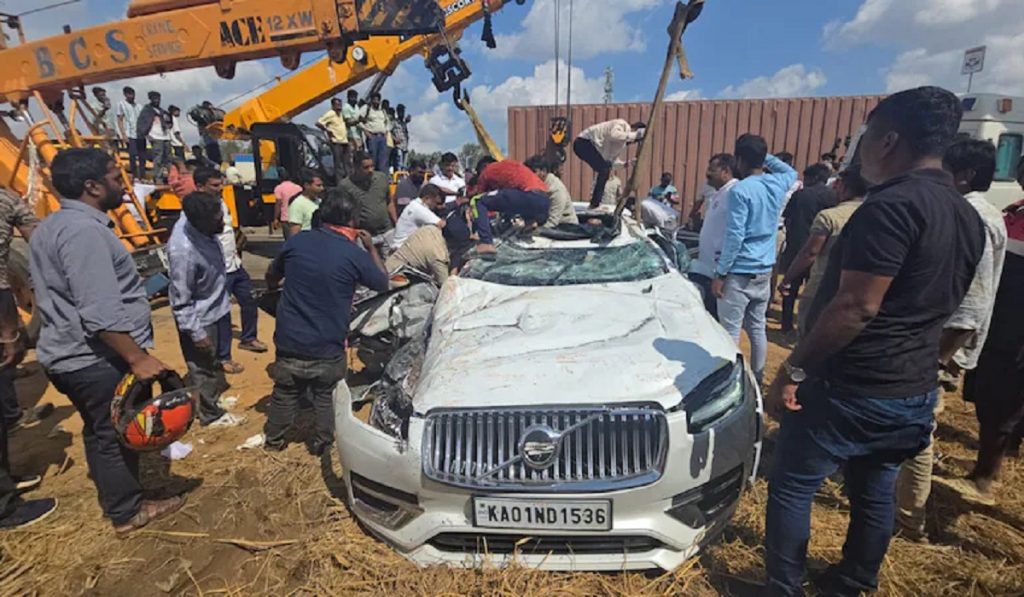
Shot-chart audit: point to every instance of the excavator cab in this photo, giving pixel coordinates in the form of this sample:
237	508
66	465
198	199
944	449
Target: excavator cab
289	148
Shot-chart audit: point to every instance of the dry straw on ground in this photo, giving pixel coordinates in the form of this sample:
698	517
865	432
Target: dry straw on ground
260	524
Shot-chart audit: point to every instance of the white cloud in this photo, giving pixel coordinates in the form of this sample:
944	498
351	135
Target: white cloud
934	25
441	128
933	35
535	90
791	81
1004	68
599	26
682	95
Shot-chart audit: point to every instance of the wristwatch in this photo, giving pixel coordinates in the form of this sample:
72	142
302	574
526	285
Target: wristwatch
795	374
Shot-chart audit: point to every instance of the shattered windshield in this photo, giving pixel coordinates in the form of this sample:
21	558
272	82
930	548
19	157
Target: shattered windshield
515	266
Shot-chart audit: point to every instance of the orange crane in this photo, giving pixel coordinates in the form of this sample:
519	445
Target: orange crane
159	36
373	57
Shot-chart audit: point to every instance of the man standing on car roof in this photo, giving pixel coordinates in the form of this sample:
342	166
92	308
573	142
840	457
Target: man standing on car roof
859	391
320	269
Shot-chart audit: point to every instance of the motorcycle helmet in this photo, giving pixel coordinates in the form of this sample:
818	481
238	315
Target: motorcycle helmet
145	422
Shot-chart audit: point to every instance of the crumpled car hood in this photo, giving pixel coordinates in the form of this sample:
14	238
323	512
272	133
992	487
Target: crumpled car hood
493	345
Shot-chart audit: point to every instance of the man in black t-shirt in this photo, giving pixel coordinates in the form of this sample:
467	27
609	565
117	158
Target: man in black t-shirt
867	370
799	215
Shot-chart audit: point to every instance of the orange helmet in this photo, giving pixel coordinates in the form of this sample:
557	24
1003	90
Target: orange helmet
145	422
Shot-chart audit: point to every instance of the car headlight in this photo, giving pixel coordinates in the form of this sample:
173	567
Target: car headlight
390	411
715	397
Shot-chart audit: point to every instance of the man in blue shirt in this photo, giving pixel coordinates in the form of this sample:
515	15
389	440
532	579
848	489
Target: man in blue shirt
665	190
743	274
321	269
96	324
199	299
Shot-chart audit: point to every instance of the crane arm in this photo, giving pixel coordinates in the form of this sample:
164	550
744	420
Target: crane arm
171	35
322	79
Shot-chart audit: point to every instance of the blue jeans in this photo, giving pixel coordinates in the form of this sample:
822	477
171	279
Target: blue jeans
239	286
744	307
377	147
531	205
870	438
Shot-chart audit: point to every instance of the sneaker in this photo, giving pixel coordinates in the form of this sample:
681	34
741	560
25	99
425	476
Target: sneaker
28	513
228	420
253	346
26	483
30	417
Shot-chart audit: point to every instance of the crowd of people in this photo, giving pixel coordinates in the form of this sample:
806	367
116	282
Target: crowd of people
903	273
377	128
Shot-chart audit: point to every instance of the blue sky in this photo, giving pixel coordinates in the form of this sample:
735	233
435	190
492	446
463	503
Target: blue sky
738	48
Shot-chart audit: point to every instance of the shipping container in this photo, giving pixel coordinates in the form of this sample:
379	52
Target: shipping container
688	133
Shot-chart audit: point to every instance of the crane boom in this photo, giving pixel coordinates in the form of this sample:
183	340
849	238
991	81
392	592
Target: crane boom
171	35
322	79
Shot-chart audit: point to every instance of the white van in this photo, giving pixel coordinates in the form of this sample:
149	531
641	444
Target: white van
999	119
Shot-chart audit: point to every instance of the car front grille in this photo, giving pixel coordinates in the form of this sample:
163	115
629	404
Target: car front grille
597	448
495	543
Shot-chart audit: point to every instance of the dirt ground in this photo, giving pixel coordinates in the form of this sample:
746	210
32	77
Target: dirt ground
262	524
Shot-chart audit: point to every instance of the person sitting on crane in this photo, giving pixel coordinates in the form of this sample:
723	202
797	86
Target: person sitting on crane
600	147
561	210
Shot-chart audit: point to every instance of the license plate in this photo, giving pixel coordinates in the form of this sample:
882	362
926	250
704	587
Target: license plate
575	515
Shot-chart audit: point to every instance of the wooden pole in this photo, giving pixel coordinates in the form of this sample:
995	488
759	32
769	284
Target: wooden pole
684	15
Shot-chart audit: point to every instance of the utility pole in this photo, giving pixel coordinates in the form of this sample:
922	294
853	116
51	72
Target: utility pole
609	84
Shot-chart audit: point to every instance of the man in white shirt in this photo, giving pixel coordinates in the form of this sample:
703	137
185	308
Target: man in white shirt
420	212
720	177
353	114
600	147
239	283
127	116
177	140
233	174
448	180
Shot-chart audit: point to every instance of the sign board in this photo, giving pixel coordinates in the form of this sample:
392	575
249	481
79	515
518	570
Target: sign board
974	61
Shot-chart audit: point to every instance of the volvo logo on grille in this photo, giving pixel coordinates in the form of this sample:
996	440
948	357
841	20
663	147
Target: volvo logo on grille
539	446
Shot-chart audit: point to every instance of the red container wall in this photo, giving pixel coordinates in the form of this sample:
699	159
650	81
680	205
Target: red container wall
689	133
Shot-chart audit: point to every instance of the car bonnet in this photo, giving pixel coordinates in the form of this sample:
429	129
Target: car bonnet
633	342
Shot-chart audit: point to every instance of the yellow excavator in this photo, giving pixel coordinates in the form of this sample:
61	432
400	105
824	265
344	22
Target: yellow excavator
42	84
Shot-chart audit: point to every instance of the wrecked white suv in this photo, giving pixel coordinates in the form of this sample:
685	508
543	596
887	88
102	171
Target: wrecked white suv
567	404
